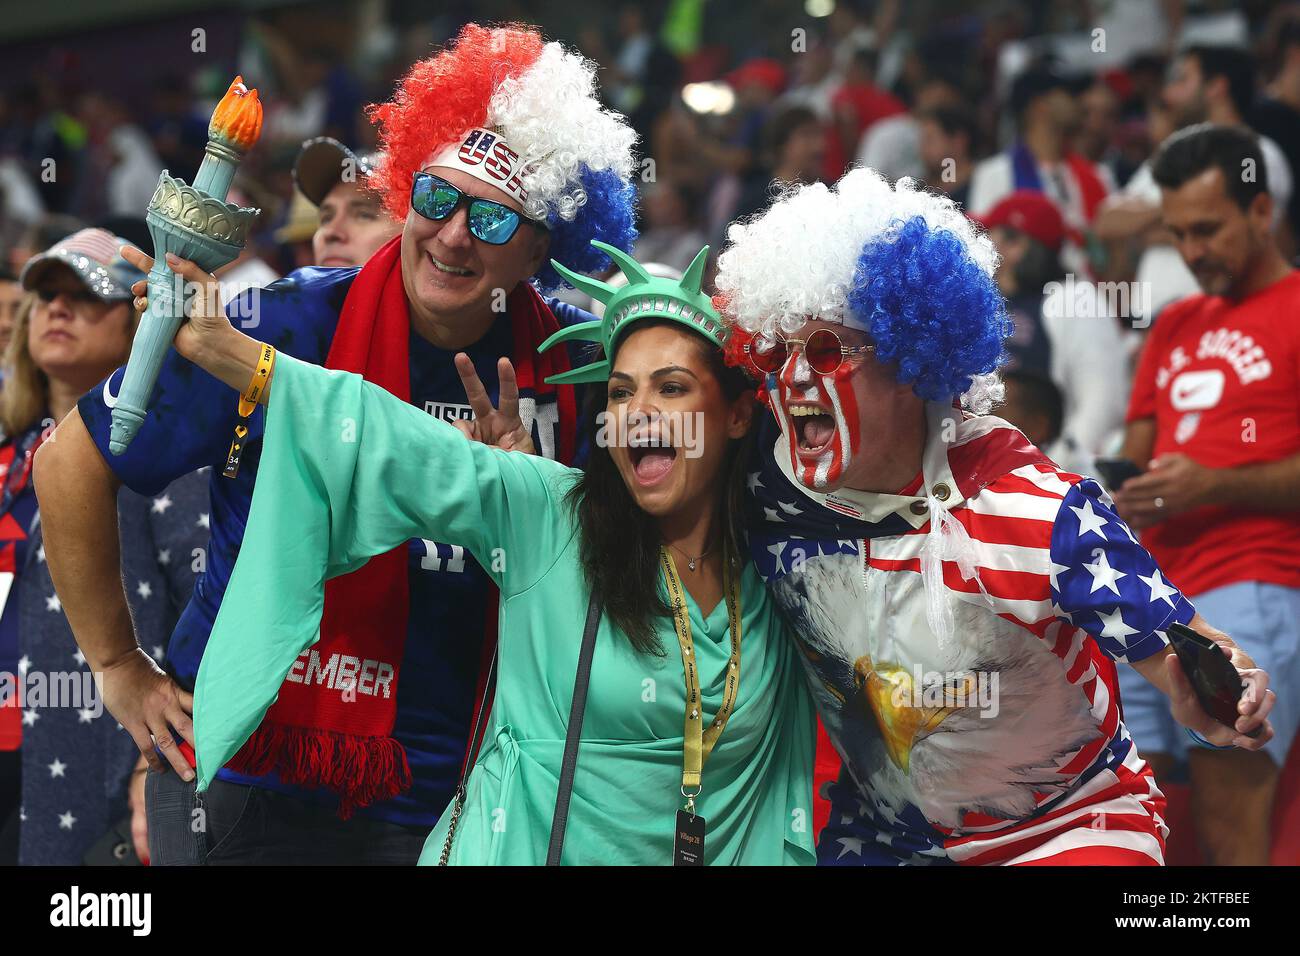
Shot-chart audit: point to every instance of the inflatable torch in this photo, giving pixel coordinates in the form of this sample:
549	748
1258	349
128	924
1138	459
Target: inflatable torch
196	223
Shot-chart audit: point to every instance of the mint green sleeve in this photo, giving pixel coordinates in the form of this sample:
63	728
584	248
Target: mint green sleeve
349	471
374	471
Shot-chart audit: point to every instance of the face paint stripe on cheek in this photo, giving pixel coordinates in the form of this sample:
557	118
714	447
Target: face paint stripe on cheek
848	434
806	474
832	464
848	401
787	429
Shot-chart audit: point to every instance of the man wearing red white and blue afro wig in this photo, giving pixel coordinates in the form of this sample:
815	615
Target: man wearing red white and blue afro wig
500	108
961	601
499	158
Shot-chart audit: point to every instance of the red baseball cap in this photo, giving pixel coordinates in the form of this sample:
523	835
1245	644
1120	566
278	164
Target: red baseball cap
1033	214
767	73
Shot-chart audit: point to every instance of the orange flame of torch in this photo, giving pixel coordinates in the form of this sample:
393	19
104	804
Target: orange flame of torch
238	117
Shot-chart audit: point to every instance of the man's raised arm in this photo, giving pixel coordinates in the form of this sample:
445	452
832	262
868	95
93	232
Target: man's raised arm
78	505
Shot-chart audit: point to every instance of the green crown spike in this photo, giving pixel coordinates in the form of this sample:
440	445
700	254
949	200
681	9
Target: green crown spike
695	272
644	297
631	268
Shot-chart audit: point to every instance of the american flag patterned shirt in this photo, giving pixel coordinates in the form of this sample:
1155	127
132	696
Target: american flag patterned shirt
1003	743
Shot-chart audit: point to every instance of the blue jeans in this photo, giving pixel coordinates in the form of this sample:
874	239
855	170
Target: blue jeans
236	825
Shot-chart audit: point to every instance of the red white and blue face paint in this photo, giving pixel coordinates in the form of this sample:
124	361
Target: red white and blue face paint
820	419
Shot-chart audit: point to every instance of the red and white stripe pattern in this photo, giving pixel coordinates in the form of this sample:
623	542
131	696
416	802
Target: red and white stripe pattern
1053	561
1115	819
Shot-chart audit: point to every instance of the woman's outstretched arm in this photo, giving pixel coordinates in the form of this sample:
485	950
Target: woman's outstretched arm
347	471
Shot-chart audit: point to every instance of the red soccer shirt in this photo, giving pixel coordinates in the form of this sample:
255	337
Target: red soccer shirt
1222	380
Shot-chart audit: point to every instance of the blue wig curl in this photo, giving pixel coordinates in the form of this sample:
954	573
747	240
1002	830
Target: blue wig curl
609	214
929	307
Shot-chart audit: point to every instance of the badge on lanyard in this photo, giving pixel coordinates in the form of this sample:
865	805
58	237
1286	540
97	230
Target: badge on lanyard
688	843
697	743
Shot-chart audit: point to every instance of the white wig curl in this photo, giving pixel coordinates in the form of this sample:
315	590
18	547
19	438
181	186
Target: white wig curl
804	257
552	116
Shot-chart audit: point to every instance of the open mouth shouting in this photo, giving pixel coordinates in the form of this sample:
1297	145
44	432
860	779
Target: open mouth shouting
814	428
820	423
652	456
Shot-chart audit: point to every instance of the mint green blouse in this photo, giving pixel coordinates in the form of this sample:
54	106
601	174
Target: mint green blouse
348	471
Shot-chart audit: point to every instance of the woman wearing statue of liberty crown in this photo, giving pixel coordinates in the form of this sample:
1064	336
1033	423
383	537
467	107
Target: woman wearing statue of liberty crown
721	732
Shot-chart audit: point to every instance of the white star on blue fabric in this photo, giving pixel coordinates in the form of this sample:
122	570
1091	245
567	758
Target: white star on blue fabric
753	481
772	515
1089	520
1160	591
161	504
1054	570
851	845
1103	575
1114	625
57	768
66	820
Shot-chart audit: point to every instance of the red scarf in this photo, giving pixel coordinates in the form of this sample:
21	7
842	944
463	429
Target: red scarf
1092	190
315	735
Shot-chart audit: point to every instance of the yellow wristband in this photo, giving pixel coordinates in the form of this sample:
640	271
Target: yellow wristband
247	404
261	375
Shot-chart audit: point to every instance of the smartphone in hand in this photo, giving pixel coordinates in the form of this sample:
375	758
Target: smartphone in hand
1115	471
1217	684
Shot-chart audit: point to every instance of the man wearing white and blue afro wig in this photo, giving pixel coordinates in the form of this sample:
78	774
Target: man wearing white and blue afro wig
961	602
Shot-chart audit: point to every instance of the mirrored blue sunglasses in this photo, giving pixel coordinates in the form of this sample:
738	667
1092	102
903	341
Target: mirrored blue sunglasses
489	221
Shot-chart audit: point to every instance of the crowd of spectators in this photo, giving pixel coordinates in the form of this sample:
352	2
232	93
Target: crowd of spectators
1039	120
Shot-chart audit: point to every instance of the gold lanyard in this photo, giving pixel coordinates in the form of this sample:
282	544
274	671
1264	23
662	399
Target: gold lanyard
699	743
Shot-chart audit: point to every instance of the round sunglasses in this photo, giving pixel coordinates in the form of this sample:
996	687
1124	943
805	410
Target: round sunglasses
822	350
491	222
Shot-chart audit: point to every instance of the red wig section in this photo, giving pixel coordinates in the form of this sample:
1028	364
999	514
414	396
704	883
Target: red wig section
442	97
734	352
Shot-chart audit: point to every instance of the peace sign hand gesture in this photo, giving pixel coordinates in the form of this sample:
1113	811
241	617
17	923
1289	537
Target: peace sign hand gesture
499	427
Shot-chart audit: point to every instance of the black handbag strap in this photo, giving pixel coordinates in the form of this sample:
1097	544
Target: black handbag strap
476	734
471	757
574	734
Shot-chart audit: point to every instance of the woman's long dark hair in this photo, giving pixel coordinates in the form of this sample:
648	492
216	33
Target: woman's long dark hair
619	543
